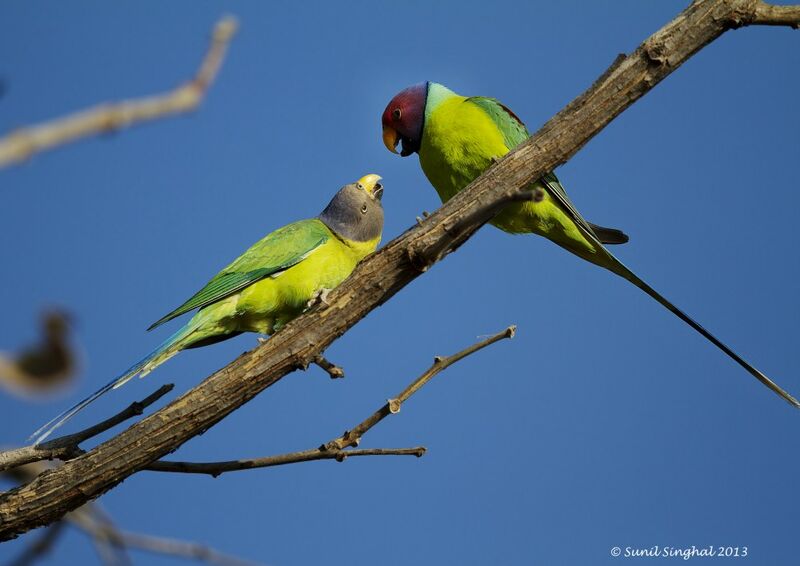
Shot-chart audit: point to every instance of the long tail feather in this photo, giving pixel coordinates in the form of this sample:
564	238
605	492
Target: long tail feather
621	270
165	351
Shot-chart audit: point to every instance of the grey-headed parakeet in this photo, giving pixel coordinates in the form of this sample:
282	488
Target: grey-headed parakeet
271	283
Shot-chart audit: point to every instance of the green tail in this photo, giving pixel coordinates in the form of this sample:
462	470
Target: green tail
620	269
182	339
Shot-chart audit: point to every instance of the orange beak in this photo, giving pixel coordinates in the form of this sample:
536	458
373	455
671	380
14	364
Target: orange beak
390	138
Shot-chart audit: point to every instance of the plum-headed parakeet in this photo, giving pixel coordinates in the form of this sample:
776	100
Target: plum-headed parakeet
271	283
458	138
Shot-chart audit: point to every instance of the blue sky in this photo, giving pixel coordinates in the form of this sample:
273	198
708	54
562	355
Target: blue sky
606	422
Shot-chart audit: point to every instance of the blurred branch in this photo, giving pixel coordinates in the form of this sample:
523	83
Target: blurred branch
40	546
110	541
383	274
21	144
179	548
66	447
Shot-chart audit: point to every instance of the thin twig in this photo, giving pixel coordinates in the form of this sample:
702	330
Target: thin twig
23	143
336	449
353	437
66	447
215	469
332	369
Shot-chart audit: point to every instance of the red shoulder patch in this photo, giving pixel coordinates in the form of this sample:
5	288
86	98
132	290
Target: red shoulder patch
511	113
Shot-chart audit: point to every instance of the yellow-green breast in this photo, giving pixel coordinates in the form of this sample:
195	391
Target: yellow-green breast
274	301
459	142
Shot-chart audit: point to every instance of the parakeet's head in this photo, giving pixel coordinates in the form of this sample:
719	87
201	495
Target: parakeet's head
355	213
403	119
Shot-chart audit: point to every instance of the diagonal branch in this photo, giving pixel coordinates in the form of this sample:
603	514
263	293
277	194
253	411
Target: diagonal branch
353	437
40	547
66	447
23	143
336	449
380	276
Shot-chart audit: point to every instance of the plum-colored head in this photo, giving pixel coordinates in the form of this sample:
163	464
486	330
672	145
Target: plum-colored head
403	119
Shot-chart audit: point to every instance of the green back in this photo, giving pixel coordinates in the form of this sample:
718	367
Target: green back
513	130
274	253
514	133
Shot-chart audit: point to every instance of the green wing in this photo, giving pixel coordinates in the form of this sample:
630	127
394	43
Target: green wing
276	252
513	130
514	133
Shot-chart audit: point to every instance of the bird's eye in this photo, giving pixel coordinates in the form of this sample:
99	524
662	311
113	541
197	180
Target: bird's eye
396	113
363	209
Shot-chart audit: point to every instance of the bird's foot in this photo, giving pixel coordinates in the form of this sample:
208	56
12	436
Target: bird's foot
320	296
261	340
425	214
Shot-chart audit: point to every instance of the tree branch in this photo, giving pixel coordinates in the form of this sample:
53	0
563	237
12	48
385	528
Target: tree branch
180	548
23	143
110	542
66	447
334	371
40	547
216	469
336	449
380	276
770	15
353	437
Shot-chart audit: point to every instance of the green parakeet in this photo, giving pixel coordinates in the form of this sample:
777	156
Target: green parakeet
271	283
458	138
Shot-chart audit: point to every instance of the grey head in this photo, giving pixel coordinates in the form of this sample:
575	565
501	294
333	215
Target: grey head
355	213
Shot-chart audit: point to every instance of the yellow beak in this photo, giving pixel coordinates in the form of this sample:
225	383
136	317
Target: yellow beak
390	138
370	184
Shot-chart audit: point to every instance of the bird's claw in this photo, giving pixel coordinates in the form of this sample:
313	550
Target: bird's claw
320	296
425	214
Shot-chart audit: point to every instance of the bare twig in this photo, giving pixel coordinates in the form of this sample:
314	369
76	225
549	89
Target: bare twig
66	447
380	276
333	370
21	144
216	469
353	437
336	448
